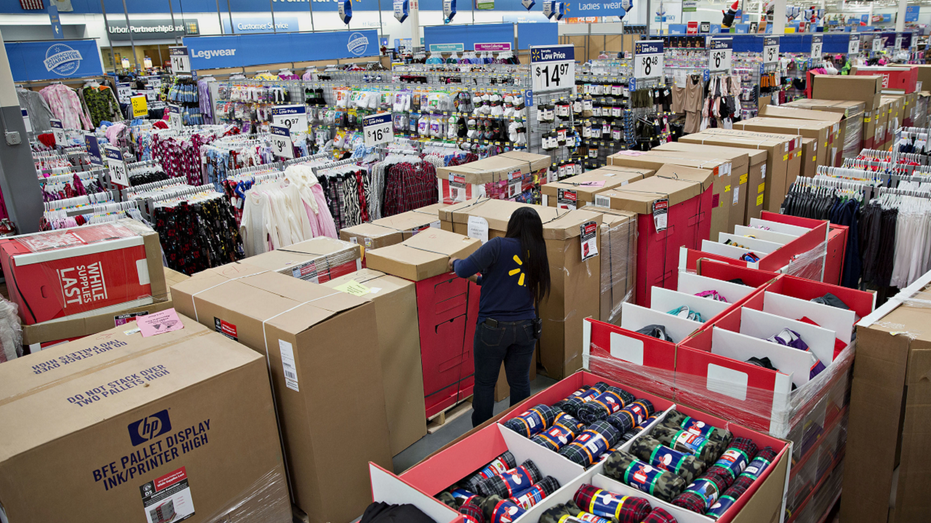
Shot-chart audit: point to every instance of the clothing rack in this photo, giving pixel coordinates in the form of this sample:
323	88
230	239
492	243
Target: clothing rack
304	159
130	192
90	199
274	166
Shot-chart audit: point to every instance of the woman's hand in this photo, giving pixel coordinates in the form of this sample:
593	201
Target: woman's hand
452	263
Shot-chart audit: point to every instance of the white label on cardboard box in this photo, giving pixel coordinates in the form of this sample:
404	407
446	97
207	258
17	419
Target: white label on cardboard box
288	366
478	228
763	171
660	208
353	239
602	201
736	194
589	240
168	498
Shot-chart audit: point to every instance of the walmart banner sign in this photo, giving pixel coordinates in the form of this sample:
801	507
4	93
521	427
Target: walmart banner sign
32	61
214	52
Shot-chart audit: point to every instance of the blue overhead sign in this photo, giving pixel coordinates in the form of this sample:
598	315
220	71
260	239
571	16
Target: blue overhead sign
261	24
911	13
215	52
32	61
585	8
56	22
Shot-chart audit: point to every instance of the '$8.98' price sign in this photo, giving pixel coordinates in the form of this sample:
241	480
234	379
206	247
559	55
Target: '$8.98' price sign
552	68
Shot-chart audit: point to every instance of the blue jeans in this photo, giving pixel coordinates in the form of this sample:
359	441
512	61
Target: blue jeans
511	343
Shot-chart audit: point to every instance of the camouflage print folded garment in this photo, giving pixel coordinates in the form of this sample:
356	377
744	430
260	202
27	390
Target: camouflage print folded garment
681	421
683	441
641	476
654	453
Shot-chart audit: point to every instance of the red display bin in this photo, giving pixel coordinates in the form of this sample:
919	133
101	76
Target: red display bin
390	489
898	78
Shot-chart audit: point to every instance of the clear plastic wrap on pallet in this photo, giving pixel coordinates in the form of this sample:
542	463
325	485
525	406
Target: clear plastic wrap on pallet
922	112
265	501
815	506
810	264
809	476
853	136
11	331
618	261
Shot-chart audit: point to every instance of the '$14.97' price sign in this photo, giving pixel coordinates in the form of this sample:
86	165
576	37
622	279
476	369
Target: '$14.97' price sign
377	129
552	68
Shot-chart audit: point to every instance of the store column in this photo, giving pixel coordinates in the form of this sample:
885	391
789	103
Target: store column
779	17
900	16
18	179
414	20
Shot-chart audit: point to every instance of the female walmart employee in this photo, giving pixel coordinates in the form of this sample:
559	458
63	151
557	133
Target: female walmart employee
514	274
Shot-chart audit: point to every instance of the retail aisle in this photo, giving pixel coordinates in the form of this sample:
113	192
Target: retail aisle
452	430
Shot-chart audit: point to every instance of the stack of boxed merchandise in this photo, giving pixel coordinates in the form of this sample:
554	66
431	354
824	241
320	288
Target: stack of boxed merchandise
728	201
851	113
578	191
447	309
888	413
159	420
827	145
748	166
75	282
783	160
322	353
673	209
575	258
866	89
591	448
770	353
392	229
315	260
514	176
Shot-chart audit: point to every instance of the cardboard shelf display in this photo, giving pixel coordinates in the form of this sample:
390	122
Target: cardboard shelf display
447	308
576	279
316	340
514	175
761	502
676	195
201	442
81	272
889	443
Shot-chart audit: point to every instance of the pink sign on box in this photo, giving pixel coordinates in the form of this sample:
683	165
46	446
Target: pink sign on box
159	323
503	46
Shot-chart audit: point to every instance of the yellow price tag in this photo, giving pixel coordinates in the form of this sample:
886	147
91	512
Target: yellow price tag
744	178
814	158
759	200
761	187
140	106
353	287
867	120
785	157
727	188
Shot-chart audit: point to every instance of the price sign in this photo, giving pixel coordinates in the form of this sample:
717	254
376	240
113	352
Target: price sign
877	44
58	131
817	44
26	121
150	94
180	60
552	68
648	59
154	82
898	42
770	50
140	106
117	166
719	57
124	92
853	47
294	117
377	129
174	117
93	148
281	142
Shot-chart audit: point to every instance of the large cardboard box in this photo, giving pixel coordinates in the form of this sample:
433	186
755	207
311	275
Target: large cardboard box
810	158
721	181
895	115
408	223
575	281
835	144
424	255
577	191
399	344
819	130
174	426
83	271
322	352
618	261
749	180
888	429
783	161
316	260
687	198
852	126
510	175
899	78
865	89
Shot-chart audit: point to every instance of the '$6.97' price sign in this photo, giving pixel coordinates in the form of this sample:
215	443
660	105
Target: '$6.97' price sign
377	129
552	68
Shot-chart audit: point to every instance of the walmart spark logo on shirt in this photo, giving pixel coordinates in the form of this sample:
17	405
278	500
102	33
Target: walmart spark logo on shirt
512	272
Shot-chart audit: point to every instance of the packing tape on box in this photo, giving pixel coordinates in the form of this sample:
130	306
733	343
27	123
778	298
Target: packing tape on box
194	302
760	401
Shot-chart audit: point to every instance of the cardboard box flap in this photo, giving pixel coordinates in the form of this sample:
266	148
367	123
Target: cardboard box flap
495	168
639	196
378	283
407	221
754	156
285	286
567	225
423	255
776	111
604	178
431	209
320	246
535	161
65	407
369	230
63	362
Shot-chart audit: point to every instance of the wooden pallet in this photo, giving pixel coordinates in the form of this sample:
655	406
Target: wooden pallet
435	422
298	515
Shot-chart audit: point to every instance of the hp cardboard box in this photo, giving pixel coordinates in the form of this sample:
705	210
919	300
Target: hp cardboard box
118	427
321	347
396	314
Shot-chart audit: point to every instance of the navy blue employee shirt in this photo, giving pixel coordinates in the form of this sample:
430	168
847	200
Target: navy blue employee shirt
505	295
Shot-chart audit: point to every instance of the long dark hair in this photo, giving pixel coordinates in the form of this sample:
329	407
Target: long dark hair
525	224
